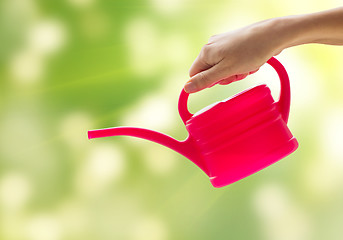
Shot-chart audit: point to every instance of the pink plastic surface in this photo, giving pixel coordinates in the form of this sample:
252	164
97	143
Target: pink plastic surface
234	138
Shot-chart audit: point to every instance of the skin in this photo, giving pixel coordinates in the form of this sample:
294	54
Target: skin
233	55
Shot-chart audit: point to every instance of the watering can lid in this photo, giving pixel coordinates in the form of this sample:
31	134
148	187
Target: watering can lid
283	102
242	100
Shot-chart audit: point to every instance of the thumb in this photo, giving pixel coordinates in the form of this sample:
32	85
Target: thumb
206	78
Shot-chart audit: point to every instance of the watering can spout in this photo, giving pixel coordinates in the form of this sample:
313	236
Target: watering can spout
187	147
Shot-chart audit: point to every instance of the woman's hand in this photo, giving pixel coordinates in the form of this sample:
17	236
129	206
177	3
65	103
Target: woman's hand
232	56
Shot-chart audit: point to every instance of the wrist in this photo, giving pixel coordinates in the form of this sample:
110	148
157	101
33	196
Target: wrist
292	31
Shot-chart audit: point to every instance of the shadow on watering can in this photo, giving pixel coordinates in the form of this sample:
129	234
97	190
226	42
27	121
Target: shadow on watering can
233	138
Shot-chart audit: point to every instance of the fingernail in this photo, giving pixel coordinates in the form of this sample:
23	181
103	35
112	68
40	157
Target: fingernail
190	87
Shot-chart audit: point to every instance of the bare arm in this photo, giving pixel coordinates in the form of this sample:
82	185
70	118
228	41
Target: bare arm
233	55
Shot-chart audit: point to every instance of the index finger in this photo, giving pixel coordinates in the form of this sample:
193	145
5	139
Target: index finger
198	66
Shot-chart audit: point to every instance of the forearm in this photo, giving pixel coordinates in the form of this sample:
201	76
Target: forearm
323	27
233	55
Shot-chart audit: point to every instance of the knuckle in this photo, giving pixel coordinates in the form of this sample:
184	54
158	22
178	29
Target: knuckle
208	54
212	38
206	49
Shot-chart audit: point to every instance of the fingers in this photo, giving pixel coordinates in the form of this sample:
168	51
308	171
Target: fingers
206	78
204	75
210	77
198	65
228	80
233	79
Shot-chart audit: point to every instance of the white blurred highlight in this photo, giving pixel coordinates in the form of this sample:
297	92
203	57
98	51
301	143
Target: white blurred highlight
168	6
44	38
332	135
44	227
73	215
281	218
47	36
104	164
306	84
142	38
322	179
149	228
158	159
27	67
228	17
154	112
15	191
177	51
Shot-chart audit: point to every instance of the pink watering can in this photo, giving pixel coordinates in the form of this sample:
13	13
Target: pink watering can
231	139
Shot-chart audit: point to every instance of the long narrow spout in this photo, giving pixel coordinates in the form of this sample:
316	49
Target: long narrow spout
147	134
186	148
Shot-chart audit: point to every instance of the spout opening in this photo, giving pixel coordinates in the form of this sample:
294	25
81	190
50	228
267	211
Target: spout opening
90	135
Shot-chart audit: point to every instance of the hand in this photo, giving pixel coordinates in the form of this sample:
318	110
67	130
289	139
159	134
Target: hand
232	56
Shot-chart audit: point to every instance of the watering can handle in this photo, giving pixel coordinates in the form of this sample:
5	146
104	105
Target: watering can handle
283	103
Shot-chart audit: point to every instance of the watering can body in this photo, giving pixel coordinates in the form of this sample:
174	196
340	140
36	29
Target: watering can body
231	139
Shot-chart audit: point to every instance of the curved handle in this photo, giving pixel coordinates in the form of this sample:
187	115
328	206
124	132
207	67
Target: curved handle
283	103
285	90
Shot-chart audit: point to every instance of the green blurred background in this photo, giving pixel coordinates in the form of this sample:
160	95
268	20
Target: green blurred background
72	65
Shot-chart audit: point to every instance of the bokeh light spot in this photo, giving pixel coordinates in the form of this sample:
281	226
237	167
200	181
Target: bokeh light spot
104	164
15	191
143	45
177	51
149	228
158	159
154	112
322	179
26	67
47	36
281	218
44	38
168	6
44	227
332	135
